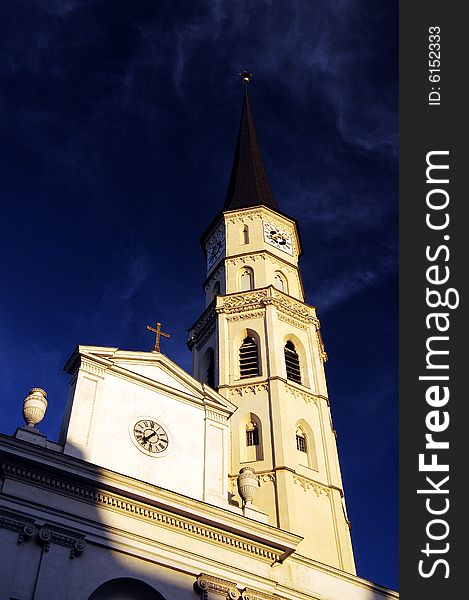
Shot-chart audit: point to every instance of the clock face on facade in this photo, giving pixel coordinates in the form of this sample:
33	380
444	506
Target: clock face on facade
215	247
277	237
149	436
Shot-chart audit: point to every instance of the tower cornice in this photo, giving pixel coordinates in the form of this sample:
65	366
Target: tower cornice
255	300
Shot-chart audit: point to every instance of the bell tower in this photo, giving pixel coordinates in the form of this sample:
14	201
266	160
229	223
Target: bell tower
259	344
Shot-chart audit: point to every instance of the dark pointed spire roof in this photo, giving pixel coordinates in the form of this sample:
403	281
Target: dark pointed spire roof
248	184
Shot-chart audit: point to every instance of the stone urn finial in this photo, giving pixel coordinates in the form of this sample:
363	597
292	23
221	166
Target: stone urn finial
248	485
34	407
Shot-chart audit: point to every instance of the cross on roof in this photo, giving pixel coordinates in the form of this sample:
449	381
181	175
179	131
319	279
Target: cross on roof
158	333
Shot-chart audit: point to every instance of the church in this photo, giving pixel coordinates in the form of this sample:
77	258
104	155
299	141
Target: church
223	484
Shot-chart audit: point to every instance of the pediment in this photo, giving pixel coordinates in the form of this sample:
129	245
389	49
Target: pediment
150	368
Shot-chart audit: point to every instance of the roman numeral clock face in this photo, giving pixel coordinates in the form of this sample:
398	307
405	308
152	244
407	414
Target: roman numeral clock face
277	237
215	247
150	437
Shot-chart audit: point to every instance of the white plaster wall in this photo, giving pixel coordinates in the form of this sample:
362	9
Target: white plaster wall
119	403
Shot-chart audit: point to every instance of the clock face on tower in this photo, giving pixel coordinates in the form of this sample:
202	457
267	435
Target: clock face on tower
215	247
277	237
149	436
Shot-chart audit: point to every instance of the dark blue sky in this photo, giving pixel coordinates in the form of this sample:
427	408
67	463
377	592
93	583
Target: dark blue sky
118	123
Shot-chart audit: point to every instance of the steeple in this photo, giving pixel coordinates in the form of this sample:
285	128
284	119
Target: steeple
248	184
259	345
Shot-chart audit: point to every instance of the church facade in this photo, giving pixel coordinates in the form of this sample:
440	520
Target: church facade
221	485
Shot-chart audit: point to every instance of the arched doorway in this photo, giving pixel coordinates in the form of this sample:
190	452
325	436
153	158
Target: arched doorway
125	588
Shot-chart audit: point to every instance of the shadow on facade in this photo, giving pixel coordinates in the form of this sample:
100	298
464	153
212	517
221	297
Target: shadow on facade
66	535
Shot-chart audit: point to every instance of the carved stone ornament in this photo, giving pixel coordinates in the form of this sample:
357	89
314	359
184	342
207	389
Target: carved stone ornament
266	477
104	498
216	588
50	535
24	527
257	299
34	406
244	316
293	322
248	484
45	535
307	397
249	594
307	484
250	388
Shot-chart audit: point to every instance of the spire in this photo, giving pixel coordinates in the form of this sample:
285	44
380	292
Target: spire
248	185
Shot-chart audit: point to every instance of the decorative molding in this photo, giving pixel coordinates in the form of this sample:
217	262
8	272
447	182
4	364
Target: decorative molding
292	307
268	477
262	477
247	258
203	328
206	336
242	302
105	499
91	367
293	322
322	349
215	416
25	528
209	585
249	594
48	535
45	535
307	484
247	215
256	299
306	396
248	315
250	388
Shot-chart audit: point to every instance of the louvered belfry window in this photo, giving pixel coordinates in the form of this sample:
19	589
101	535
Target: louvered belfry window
292	362
248	358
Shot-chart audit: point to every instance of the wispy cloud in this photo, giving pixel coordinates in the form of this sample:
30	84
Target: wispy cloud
336	290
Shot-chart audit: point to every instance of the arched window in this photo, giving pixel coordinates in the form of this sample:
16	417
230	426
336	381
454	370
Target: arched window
292	362
305	447
245	234
252	434
246	279
280	282
125	588
301	442
250	438
248	358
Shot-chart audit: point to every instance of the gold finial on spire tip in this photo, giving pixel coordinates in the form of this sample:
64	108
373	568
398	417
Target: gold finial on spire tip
246	76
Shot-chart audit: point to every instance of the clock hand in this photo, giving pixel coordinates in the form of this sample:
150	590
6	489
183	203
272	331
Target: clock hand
146	438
